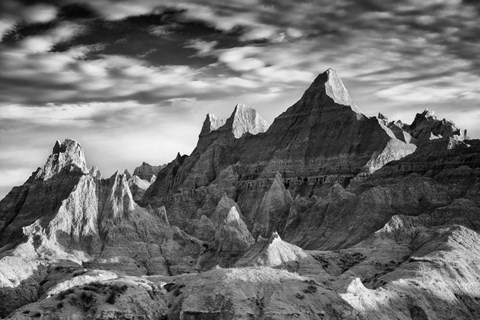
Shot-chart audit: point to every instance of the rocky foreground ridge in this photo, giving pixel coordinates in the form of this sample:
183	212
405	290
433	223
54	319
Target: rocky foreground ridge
324	214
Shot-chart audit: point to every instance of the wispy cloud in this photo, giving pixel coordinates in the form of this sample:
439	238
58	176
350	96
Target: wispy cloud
131	69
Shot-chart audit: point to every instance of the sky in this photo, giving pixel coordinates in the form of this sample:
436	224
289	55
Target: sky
133	80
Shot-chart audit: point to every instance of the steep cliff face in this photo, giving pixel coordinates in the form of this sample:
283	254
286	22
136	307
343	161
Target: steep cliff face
245	120
65	212
320	140
43	193
325	214
324	133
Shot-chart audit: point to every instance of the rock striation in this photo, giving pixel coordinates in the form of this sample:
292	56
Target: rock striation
324	214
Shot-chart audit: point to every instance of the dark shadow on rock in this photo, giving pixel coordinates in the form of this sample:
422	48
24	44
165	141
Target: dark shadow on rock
32	288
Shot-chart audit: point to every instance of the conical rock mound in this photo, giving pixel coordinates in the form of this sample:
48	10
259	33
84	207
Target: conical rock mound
274	208
231	236
273	252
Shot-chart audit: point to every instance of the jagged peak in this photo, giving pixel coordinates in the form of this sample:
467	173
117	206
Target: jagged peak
428	113
246	119
427	125
330	83
381	116
211	123
67	155
95	172
120	191
146	171
227	212
242	120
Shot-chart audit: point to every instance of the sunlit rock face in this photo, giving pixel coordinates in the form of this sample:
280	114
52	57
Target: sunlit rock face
325	134
66	156
138	186
324	214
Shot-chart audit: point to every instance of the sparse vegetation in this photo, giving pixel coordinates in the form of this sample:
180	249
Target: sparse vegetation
299	296
310	289
115	291
62	295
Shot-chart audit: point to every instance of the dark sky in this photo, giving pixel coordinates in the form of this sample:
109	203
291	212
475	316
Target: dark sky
133	80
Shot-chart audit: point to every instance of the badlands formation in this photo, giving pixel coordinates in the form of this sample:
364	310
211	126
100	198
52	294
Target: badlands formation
324	214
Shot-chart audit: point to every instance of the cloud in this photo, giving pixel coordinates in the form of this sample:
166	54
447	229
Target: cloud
39	13
153	68
38	78
203	47
6	24
33	13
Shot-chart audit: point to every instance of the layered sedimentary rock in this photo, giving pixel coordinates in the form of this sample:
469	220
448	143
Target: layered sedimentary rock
320	140
43	193
323	134
65	212
325	214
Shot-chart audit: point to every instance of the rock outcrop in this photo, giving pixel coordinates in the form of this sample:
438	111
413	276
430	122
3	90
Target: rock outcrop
65	212
245	119
273	210
147	172
325	214
275	253
138	186
66	156
427	126
232	237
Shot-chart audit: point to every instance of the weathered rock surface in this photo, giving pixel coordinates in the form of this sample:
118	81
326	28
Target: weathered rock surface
273	210
354	218
232	237
276	253
138	186
146	171
63	213
427	126
66	156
